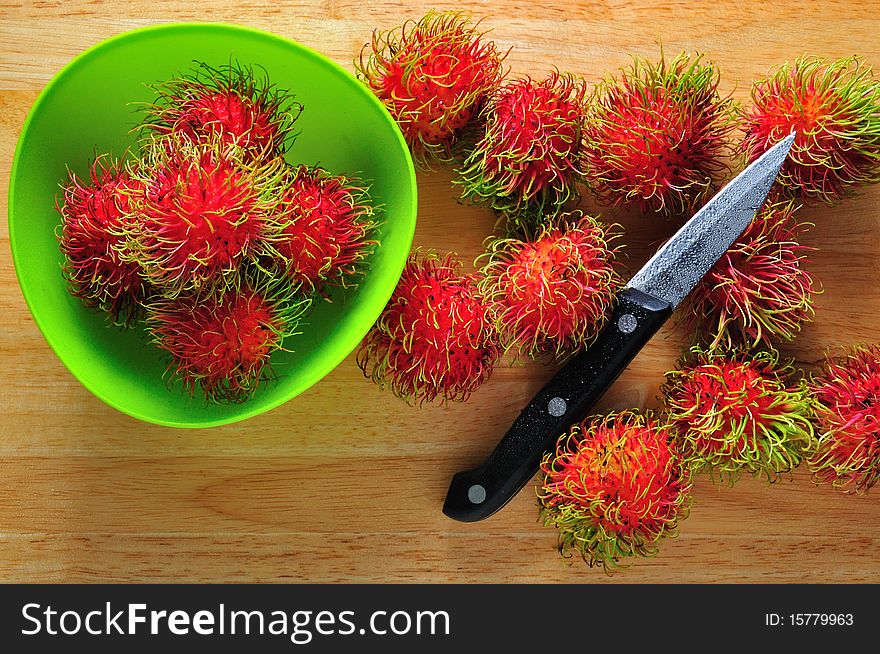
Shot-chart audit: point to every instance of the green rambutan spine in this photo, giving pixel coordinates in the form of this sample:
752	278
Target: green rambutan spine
434	76
847	392
656	136
550	292
233	103
434	339
614	487
760	291
736	411
328	227
208	210
529	162
834	108
94	213
221	344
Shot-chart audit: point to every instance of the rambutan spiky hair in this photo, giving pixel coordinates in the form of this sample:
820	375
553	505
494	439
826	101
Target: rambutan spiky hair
328	223
847	392
760	290
656	137
222	343
529	161
93	213
434	339
434	75
835	110
207	210
232	102
551	292
737	411
613	487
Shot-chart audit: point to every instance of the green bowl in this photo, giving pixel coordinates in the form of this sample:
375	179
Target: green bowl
87	107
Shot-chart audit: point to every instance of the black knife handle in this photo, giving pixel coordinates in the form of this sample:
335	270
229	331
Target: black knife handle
477	494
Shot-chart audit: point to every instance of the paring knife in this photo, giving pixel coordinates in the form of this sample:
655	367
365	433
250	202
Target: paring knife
641	308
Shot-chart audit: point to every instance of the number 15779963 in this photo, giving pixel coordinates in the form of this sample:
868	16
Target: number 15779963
808	620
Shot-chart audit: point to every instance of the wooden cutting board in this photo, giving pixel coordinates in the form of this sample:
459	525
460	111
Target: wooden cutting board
345	483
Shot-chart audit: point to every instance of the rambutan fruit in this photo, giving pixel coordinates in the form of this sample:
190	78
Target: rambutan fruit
231	103
434	339
656	138
222	343
328	222
90	235
834	109
206	211
847	393
735	411
529	161
613	487
434	76
760	289
551	292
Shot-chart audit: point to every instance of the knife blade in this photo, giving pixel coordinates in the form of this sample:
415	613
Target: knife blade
643	305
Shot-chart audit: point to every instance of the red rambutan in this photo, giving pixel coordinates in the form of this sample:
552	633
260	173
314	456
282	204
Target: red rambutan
90	236
434	338
328	222
529	160
551	293
433	75
614	487
231	103
738	411
222	343
847	393
205	212
759	290
834	108
656	137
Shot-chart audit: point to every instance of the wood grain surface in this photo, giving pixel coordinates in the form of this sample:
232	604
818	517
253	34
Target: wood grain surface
345	483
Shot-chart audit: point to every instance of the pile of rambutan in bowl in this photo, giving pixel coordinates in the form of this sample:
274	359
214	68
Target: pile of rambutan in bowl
107	118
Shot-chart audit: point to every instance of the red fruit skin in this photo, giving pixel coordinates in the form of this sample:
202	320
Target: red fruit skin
551	293
222	344
529	160
848	417
204	214
760	290
656	138
434	338
93	214
230	104
737	411
327	223
614	487
834	108
434	76
237	119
